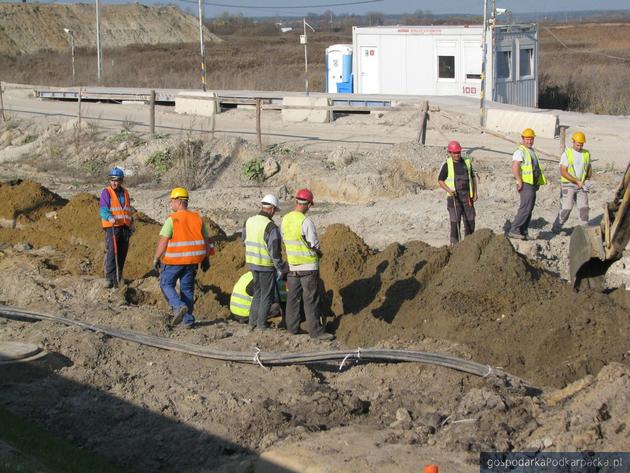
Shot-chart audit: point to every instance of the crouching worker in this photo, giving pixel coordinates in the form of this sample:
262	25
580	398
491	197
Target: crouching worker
183	246
243	293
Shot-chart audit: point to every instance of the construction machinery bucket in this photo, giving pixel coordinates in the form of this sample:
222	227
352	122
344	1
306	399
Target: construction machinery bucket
587	263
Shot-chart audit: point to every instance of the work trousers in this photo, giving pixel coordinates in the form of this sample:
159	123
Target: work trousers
570	195
520	224
458	210
185	274
303	288
117	252
264	286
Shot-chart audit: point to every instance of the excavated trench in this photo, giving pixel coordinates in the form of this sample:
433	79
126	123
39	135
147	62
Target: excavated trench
480	294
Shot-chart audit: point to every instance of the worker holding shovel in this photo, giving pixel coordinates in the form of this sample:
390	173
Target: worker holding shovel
458	179
117	222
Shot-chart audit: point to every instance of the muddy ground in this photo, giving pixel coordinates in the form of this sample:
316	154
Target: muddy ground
389	282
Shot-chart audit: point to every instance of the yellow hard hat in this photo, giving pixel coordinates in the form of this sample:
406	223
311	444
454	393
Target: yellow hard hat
579	137
179	193
528	133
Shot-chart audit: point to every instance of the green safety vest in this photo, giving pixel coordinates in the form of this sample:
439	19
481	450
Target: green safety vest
241	302
298	252
255	246
570	158
527	169
450	178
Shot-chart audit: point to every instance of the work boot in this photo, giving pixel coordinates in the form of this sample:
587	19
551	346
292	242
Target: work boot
178	315
109	284
324	337
517	236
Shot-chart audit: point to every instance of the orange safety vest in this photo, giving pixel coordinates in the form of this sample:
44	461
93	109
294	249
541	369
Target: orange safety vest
187	245
122	215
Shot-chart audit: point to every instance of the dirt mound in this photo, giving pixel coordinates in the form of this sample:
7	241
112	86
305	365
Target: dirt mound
24	202
121	25
489	298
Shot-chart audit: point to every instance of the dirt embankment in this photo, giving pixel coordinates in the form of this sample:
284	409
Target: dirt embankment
26	28
480	294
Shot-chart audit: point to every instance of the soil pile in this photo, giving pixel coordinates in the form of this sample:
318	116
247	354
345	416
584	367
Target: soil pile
24	202
486	296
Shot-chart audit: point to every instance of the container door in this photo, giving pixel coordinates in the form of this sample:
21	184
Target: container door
368	65
335	70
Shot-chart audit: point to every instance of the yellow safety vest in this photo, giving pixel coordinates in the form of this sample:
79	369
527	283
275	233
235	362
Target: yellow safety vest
571	169
255	246
298	252
450	178
527	168
241	302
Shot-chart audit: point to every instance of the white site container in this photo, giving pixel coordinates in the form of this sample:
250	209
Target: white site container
446	60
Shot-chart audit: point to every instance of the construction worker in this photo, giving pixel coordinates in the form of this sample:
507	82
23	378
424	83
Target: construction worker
529	176
243	293
117	222
263	255
458	179
575	172
182	247
303	253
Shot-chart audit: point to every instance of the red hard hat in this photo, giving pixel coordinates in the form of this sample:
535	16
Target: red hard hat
304	194
454	147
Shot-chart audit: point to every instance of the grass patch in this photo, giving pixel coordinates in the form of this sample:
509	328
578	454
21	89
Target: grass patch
51	452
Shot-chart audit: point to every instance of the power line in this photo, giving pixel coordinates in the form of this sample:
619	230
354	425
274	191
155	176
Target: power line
277	7
584	52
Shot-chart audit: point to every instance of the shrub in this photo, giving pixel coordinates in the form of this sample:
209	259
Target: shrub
254	170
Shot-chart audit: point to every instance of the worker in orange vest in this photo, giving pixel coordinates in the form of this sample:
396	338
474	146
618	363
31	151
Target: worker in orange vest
183	247
117	222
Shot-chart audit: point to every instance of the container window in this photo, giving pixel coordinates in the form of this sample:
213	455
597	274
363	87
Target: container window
526	62
504	64
446	67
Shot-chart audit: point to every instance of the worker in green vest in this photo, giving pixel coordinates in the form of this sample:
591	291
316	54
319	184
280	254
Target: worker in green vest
529	176
457	178
575	175
263	255
243	293
303	285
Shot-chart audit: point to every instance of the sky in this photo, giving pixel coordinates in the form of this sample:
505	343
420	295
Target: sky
279	7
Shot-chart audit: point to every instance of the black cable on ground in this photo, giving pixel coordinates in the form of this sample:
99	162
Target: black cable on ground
273	358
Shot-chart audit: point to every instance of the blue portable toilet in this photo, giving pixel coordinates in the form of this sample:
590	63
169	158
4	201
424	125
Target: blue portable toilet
339	69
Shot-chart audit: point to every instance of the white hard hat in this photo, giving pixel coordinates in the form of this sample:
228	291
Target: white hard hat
270	199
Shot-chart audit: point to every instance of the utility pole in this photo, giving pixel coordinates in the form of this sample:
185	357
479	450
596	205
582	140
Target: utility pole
484	54
201	46
304	41
71	34
99	52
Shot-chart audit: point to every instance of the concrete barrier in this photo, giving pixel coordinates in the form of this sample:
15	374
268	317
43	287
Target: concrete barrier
545	125
196	103
314	110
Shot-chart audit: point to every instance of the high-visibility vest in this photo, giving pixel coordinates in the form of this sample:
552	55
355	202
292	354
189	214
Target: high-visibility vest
298	252
241	302
586	157
187	245
450	178
121	214
256	251
527	169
